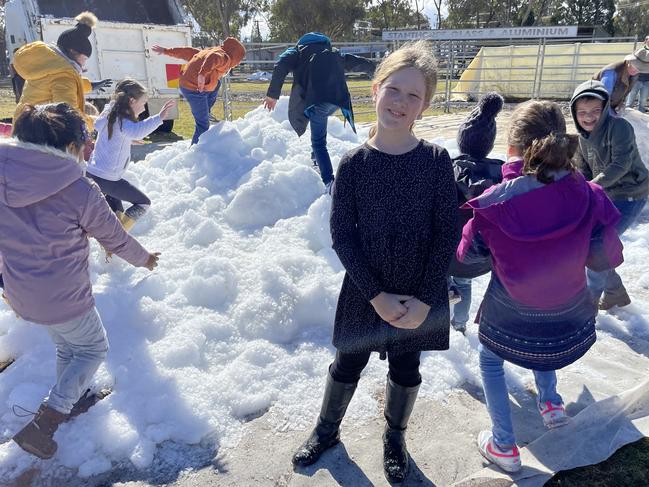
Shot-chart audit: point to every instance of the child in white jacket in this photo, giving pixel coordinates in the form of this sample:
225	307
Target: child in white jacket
117	127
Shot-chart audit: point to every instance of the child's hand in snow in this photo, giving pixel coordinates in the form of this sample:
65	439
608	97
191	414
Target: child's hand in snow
152	263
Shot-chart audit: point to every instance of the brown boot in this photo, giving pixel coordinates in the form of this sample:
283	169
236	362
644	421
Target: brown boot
37	436
618	297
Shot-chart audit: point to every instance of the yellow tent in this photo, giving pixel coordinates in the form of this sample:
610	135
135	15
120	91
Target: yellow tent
550	71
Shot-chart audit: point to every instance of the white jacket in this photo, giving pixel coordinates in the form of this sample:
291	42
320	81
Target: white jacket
112	156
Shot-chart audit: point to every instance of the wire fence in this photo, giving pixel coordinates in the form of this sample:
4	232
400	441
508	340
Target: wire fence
519	69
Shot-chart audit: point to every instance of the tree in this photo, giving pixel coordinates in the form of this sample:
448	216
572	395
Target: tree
222	18
397	14
588	12
481	13
290	19
632	19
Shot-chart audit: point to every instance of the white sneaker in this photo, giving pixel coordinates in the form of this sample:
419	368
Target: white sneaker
509	460
553	414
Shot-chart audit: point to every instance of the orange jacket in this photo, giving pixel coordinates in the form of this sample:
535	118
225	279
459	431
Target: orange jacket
212	63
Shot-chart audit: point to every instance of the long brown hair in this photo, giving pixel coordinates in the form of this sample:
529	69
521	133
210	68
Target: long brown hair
125	90
418	55
538	131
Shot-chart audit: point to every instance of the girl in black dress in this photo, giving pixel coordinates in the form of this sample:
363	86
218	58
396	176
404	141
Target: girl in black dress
393	224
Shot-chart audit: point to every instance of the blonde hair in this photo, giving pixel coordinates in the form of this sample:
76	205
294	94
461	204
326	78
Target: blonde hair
418	55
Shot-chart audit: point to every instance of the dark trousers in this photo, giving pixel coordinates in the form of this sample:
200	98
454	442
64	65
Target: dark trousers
118	191
404	367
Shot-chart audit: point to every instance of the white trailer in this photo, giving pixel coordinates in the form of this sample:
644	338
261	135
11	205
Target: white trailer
121	41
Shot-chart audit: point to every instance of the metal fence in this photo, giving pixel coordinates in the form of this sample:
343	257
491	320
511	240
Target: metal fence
529	71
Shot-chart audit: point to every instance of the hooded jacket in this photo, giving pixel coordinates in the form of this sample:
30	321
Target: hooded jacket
615	78
539	236
50	77
325	84
48	209
212	63
608	155
472	177
111	156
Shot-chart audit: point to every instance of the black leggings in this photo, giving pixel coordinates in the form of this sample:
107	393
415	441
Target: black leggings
118	191
404	367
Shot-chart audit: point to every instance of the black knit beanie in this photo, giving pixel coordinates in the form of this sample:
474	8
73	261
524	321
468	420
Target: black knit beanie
477	134
77	37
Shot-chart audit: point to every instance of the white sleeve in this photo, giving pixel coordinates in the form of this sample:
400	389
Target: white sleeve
138	130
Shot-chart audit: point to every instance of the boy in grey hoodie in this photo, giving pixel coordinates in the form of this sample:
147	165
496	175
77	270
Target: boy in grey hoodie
608	155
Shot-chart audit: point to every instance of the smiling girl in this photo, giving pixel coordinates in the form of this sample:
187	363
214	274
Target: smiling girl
393	223
117	128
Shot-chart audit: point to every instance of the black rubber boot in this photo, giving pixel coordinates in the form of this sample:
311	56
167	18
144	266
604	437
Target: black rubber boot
326	433
399	402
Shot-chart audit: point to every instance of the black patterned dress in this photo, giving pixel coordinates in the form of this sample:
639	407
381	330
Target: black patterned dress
393	224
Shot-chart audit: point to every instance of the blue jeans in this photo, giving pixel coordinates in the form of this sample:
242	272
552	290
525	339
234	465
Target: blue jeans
641	87
610	281
318	116
460	311
81	347
201	104
497	396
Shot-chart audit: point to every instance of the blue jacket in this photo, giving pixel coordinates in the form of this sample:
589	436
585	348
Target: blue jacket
317	83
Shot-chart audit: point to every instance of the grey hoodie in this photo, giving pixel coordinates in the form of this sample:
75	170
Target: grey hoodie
609	155
47	211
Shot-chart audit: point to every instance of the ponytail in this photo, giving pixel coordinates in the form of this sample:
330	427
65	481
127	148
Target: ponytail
552	153
125	90
538	130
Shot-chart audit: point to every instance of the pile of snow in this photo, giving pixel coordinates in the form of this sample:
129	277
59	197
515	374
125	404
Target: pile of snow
259	76
237	319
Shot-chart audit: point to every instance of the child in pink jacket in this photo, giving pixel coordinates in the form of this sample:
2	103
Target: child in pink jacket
48	209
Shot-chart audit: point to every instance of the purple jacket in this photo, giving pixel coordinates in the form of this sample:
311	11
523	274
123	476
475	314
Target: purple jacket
540	236
48	209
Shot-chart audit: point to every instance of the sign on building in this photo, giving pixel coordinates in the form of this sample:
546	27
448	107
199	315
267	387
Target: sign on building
483	33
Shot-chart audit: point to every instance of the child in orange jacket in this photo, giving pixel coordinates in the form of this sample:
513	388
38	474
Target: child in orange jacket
201	77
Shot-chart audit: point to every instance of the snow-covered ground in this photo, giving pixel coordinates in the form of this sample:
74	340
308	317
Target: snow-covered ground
237	319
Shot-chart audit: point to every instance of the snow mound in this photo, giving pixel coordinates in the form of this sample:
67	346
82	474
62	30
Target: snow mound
237	319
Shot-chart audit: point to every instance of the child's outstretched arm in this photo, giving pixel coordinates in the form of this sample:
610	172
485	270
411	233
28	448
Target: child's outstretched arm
139	130
346	241
184	53
358	63
286	63
99	221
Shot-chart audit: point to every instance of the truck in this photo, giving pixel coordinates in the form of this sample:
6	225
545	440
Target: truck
121	41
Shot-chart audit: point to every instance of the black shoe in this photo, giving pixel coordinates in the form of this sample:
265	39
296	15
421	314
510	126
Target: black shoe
326	433
399	402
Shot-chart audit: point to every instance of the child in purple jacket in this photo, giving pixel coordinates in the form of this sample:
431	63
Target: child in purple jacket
541	228
48	209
